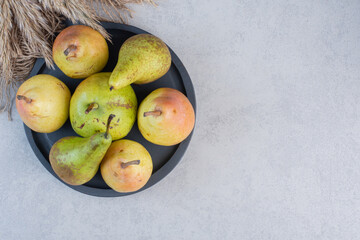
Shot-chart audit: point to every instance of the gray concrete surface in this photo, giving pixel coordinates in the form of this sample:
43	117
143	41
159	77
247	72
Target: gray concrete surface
276	150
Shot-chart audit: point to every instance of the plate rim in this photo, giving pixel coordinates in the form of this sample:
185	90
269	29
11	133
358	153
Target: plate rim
160	173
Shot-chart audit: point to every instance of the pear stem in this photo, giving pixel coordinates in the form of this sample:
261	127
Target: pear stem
91	107
108	125
155	113
71	48
21	97
111	88
134	162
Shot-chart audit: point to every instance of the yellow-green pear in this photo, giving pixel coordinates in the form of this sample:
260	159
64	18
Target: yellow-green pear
143	58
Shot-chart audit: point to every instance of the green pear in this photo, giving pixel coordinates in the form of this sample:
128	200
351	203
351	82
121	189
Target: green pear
143	58
76	160
93	101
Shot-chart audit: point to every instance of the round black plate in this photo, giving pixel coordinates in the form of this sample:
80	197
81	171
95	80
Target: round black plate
164	158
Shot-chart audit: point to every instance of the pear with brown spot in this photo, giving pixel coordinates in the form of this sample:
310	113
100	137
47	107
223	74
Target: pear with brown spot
92	102
76	160
127	166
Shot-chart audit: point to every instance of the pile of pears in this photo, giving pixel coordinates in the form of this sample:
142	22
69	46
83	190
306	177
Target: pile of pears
104	108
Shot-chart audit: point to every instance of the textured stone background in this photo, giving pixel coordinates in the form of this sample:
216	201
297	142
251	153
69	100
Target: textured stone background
276	150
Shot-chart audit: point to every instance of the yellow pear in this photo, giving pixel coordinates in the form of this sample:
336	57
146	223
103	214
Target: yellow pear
43	103
80	51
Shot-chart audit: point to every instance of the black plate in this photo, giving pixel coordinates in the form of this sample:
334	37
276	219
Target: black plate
164	158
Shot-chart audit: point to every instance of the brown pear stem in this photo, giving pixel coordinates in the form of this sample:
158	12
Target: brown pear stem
71	48
134	162
26	99
155	113
111	88
108	125
91	107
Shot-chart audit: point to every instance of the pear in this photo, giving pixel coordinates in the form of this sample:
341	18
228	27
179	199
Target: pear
93	101
80	51
127	166
166	117
43	103
76	160
143	58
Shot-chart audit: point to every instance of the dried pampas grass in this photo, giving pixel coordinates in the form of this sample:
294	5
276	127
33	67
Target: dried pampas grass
27	32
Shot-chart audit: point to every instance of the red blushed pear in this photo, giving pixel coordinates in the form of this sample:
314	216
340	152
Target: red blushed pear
80	51
166	117
43	103
127	166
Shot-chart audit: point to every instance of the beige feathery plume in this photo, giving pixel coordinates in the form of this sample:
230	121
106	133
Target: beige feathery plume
28	28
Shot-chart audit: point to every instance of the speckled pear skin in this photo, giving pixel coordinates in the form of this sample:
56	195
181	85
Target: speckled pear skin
95	89
76	160
137	170
143	58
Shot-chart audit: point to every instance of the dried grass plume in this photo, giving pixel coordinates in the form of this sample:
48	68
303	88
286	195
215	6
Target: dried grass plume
27	32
